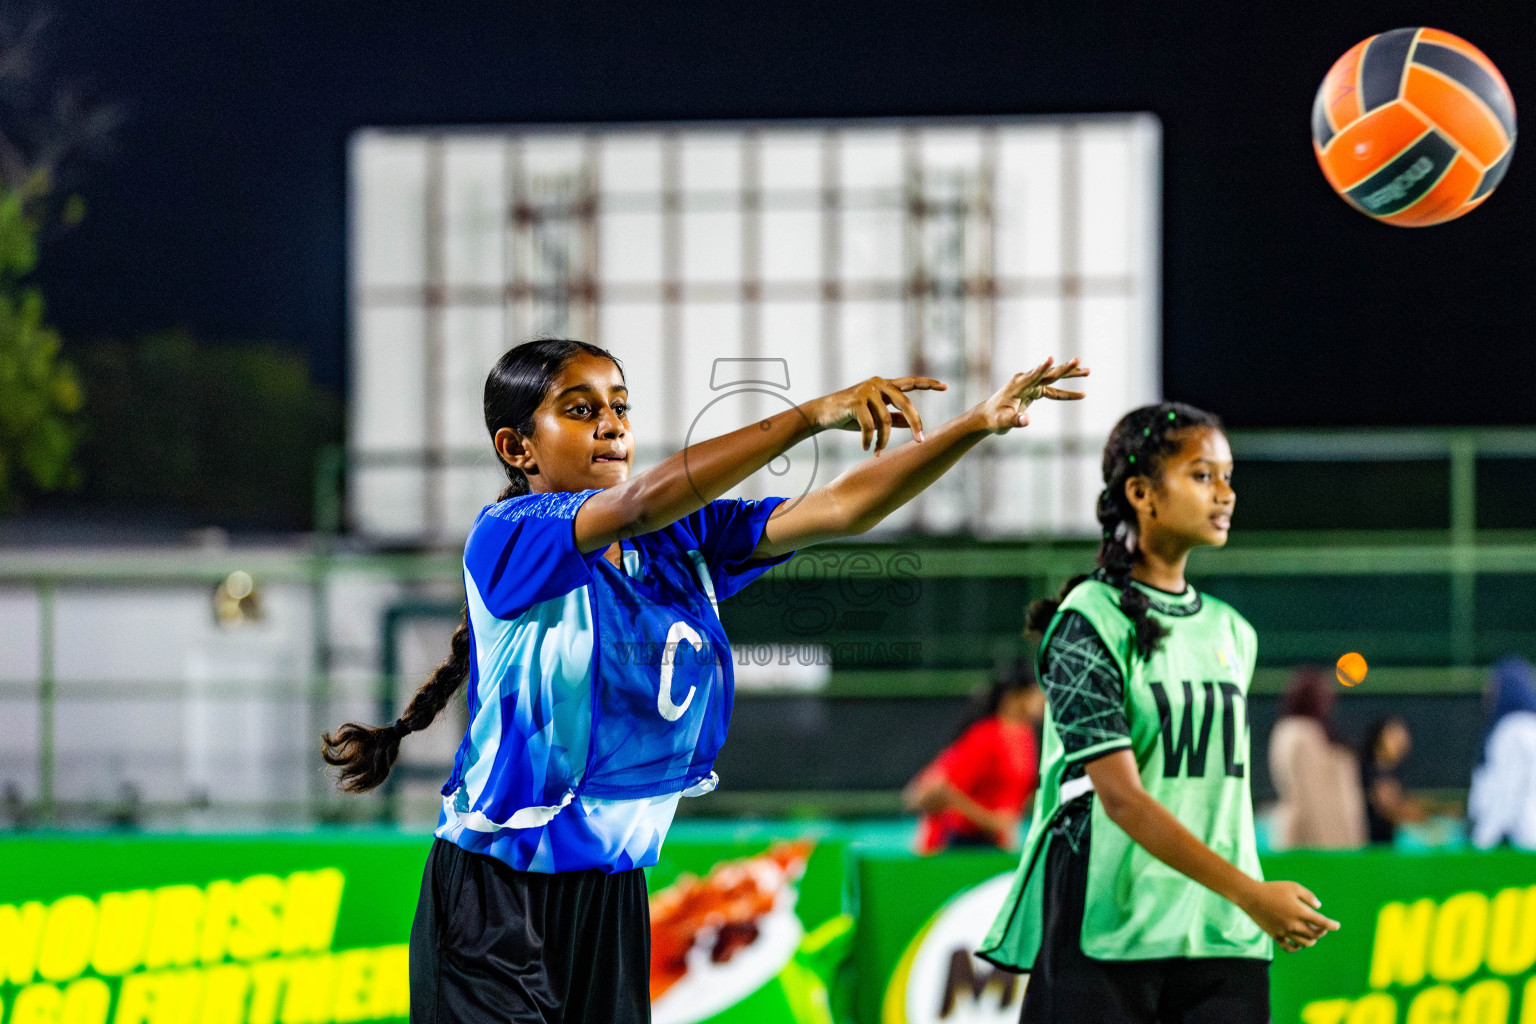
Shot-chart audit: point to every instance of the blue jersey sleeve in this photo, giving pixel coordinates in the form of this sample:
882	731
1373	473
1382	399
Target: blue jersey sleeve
523	551
727	530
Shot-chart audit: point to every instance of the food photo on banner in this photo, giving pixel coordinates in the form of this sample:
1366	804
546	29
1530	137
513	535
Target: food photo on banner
749	938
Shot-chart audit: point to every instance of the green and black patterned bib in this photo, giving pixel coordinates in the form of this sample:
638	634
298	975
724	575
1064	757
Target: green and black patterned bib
1187	708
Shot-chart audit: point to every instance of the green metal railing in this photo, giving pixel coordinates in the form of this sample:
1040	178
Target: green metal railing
1462	553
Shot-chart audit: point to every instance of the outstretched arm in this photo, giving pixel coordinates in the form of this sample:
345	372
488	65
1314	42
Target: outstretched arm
868	492
1285	910
690	479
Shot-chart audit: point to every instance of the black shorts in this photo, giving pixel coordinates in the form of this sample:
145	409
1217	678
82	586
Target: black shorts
1067	986
491	943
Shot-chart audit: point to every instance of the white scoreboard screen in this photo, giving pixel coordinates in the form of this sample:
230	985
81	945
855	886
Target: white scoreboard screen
737	267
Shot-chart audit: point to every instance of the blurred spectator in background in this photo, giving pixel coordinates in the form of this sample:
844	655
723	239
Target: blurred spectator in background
974	793
1502	804
1317	777
1387	806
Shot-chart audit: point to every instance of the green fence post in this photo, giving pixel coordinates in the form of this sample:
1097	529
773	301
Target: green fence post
1463	449
330	462
45	698
389	686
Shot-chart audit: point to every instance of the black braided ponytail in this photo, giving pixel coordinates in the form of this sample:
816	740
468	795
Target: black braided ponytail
513	391
1137	446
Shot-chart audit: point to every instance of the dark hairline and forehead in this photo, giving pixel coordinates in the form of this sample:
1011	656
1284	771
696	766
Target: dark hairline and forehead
583	386
1184	436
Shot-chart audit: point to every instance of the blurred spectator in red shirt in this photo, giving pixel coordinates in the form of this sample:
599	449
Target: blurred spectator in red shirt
974	793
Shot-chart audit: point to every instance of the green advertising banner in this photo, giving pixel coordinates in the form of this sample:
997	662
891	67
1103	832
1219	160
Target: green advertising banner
920	919
239	930
1432	938
1442	938
748	928
312	929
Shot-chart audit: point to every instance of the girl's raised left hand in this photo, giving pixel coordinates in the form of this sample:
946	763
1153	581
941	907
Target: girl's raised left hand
1006	409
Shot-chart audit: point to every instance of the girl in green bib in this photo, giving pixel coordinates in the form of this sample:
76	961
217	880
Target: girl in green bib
1139	897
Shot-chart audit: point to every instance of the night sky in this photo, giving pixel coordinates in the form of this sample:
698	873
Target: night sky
224	206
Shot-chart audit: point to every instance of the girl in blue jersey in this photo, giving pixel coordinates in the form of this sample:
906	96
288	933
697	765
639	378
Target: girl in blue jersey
599	675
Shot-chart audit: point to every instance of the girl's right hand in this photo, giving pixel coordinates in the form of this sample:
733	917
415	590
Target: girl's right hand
1006	410
1287	911
863	408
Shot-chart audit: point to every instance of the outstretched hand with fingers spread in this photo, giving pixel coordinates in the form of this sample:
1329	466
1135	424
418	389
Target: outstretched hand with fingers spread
1006	409
863	408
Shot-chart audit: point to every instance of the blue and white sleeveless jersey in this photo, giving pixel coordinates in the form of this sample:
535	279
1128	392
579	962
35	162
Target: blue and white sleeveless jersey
597	697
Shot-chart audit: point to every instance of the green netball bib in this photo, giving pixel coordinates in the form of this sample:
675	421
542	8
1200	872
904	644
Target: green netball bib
1187	707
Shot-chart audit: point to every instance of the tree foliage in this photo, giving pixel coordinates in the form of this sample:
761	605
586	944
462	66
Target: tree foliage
226	434
40	393
45	128
50	128
214	433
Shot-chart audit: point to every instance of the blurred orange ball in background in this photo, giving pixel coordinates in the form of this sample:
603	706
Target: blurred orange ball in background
1414	126
1351	669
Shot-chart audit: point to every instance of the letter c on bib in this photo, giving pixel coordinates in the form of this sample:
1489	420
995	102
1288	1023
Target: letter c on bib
679	632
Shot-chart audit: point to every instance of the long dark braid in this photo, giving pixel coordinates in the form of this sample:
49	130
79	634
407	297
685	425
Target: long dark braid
513	391
1138	445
